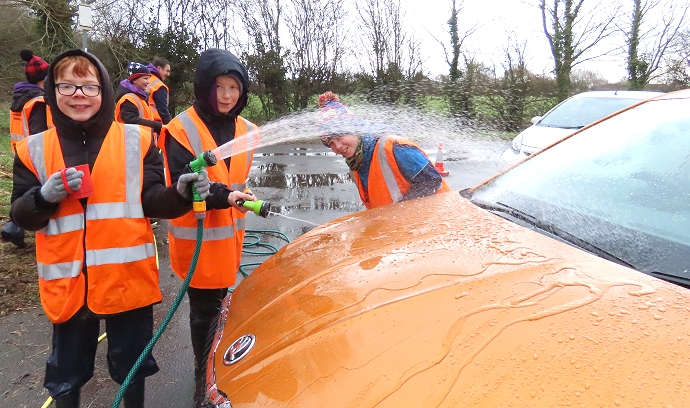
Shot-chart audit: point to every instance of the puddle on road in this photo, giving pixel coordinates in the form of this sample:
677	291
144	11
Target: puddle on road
273	175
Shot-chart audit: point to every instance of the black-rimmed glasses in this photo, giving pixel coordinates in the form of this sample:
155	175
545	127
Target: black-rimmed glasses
71	89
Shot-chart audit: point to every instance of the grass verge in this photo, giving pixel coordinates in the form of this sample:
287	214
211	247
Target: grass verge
18	281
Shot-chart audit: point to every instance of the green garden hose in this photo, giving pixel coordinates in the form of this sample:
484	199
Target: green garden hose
255	242
168	317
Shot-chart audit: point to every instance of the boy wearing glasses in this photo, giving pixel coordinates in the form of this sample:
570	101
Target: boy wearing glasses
95	251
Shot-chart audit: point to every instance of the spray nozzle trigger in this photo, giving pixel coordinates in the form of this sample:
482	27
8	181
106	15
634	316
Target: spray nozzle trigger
205	159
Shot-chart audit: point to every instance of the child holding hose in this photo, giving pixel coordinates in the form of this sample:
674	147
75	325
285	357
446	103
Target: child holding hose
95	248
220	89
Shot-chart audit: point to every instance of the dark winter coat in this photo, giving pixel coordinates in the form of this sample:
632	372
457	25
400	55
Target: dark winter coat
24	92
212	63
129	113
80	143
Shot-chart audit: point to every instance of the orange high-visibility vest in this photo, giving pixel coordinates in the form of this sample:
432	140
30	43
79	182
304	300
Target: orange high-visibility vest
19	121
221	249
153	87
141	104
386	184
112	237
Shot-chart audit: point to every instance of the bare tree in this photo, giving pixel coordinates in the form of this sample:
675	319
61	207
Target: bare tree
393	53
574	34
459	102
583	80
511	94
648	47
53	23
677	75
265	56
318	44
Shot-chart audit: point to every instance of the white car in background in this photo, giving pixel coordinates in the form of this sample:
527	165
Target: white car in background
568	116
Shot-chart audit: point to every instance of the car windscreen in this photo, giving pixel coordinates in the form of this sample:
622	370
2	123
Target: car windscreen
576	112
622	187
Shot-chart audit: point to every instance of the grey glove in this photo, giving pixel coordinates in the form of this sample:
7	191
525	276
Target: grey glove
54	190
201	183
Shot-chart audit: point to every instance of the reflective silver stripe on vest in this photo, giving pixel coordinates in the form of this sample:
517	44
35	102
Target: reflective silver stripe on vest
148	89
137	100
64	224
133	164
240	224
237	187
59	271
387	171
192	133
25	124
114	210
111	256
35	145
210	234
16	137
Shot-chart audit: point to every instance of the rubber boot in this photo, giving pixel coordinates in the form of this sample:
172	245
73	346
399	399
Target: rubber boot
70	400
134	396
200	400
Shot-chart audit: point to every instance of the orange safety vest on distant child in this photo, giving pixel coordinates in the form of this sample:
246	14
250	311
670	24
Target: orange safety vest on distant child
386	184
122	272
223	238
151	89
19	121
141	104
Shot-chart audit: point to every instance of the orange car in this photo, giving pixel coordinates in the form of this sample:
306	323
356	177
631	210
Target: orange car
560	282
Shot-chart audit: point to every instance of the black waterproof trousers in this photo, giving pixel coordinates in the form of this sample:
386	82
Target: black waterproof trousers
204	311
71	362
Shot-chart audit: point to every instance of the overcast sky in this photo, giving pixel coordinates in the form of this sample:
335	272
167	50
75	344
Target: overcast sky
496	18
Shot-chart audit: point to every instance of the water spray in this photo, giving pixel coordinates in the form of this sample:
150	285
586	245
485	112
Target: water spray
205	159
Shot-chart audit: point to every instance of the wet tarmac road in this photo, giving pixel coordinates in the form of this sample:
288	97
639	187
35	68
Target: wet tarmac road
302	181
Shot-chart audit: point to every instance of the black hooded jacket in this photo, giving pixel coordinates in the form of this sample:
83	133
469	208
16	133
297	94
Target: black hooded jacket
38	121
212	63
80	143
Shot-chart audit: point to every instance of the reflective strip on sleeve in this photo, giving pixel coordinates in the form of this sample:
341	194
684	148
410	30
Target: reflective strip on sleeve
387	171
133	164
210	234
192	133
105	211
35	145
59	271
64	224
111	256
250	152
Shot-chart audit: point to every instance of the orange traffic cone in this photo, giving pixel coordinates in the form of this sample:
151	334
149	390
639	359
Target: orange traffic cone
439	161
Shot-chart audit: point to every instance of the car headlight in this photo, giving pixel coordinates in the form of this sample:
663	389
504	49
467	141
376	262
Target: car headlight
517	143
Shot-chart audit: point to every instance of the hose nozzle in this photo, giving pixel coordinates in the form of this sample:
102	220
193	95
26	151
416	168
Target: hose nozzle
205	159
258	207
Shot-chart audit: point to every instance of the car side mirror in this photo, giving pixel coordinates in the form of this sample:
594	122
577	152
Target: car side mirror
535	119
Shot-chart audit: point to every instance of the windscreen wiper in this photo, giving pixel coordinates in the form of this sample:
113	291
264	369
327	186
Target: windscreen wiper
511	214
